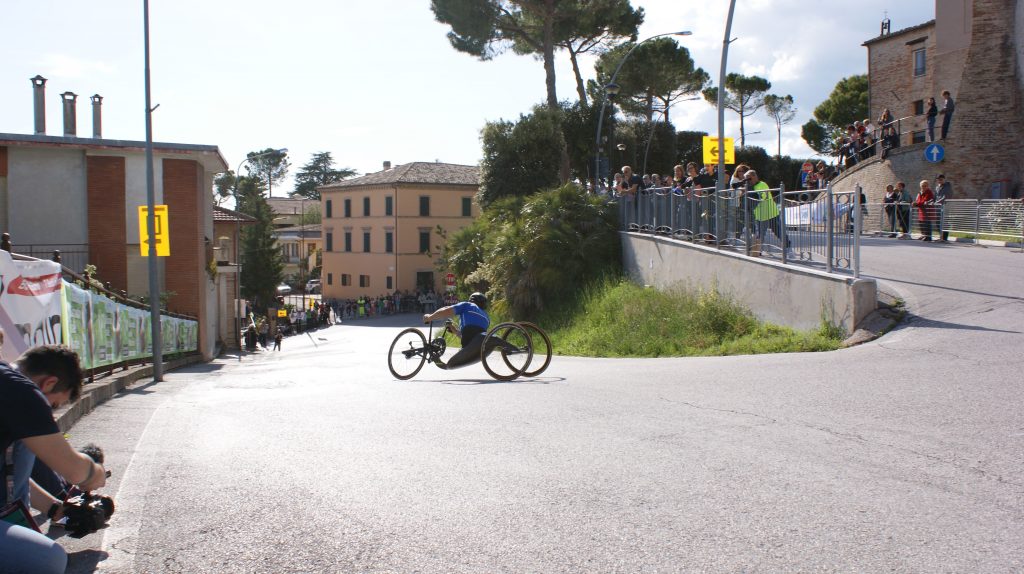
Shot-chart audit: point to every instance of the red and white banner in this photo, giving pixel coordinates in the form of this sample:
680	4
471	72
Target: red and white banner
30	304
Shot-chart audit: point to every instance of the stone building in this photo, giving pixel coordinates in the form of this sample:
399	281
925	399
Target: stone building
379	229
974	49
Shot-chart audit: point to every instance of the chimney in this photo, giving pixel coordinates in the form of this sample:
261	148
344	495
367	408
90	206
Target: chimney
387	165
38	96
69	99
97	119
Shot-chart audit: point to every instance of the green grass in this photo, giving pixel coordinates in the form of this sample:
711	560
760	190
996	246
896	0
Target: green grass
987	236
617	318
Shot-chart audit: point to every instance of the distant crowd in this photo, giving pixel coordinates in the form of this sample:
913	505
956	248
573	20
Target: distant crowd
860	141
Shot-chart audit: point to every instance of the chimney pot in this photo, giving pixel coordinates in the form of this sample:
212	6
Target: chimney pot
97	119
387	165
39	99
70	121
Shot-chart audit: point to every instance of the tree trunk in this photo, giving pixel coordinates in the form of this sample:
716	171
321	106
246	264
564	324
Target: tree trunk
579	78
778	130
549	72
743	138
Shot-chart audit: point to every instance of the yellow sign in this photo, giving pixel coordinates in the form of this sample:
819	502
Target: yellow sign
163	239
711	150
282	312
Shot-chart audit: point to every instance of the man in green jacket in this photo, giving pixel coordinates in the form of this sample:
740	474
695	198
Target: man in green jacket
766	210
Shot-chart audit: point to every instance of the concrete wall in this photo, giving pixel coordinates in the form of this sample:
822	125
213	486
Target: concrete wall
784	295
46	191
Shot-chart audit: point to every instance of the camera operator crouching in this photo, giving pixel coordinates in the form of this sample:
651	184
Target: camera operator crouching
42	379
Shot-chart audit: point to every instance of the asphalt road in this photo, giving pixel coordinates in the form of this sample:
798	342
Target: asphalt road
900	455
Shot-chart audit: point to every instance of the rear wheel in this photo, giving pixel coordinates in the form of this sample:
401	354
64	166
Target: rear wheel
541	350
407	354
515	346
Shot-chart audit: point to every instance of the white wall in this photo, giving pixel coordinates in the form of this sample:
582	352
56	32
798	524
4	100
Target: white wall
46	196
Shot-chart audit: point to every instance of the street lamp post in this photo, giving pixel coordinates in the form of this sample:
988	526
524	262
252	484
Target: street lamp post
612	89
238	250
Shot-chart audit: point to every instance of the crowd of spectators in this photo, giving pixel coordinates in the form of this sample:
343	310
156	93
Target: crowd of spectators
401	301
863	140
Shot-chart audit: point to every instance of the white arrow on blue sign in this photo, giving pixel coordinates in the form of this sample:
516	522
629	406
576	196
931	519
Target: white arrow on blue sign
934	153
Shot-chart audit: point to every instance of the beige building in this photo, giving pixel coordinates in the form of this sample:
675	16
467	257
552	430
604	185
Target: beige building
299	247
974	49
379	229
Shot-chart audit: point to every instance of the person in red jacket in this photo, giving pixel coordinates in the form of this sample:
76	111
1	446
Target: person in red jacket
925	204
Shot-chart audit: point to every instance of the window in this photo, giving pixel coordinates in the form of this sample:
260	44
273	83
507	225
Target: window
348	241
366	207
328	208
467	206
348	208
346	279
389	205
917	137
424	205
366	242
919	62
330	278
330	241
364	280
918	107
424	241
389	242
390	286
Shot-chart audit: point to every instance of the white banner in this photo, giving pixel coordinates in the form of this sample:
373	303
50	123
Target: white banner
30	304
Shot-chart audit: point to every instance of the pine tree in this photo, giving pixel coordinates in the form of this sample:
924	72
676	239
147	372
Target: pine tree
261	257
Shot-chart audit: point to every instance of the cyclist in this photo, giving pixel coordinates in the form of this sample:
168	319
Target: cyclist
473	323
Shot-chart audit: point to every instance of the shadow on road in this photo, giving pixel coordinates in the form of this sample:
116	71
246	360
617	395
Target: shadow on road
944	287
920	322
85	561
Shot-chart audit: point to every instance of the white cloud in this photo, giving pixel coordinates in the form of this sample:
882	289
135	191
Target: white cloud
66	66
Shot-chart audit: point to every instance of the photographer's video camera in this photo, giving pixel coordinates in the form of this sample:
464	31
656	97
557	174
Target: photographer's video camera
86	512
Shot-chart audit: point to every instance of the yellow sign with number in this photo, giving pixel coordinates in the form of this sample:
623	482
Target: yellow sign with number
163	238
282	312
711	150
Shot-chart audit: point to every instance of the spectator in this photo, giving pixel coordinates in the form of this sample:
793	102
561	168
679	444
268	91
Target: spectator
947	111
925	204
678	178
277	339
617	187
903	209
647	181
766	210
943	191
631	183
44	378
890	200
930	116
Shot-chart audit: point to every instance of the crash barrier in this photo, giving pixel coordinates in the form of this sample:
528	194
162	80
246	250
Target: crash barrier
44	303
815	227
991	218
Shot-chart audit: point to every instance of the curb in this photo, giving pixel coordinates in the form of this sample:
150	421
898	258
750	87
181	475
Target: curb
879	322
96	393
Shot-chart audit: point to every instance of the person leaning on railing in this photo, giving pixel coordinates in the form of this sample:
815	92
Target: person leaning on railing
925	204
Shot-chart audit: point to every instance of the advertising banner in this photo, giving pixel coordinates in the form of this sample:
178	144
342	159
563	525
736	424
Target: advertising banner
76	315
30	304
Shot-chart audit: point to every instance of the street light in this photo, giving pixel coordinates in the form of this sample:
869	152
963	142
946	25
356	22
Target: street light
238	251
612	89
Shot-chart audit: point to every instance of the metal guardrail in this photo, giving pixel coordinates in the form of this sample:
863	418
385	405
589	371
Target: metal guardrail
992	217
812	226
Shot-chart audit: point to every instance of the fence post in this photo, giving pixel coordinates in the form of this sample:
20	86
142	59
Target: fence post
830	224
977	222
856	231
746	219
5	242
783	240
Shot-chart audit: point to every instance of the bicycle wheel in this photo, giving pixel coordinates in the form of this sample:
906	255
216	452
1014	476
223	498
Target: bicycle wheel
514	345
407	354
541	344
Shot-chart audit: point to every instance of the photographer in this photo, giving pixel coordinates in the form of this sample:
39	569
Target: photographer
45	378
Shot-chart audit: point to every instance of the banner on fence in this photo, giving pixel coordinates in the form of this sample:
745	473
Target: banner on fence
30	312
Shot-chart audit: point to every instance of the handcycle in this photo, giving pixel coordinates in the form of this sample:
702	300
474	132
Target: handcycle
513	341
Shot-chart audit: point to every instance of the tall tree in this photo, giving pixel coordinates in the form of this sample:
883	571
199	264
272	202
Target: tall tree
658	73
596	27
319	171
520	158
261	256
269	165
781	110
847	103
743	95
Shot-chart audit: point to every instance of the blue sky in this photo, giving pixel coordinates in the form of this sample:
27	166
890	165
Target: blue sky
376	81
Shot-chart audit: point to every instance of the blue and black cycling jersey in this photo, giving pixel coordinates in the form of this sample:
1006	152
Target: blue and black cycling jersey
472	320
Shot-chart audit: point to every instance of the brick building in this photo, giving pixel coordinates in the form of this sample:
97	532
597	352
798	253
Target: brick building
379	229
974	49
82	194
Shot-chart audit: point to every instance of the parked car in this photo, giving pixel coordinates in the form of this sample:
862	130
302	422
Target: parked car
284	289
313	286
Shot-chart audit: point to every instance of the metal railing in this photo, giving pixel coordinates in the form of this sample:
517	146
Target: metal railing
813	227
1003	218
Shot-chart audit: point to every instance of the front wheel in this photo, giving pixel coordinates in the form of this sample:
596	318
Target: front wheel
514	344
407	354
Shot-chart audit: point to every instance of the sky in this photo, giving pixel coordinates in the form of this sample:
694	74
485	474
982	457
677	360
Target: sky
375	81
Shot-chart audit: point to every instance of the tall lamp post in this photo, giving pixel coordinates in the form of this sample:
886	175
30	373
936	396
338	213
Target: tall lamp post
238	247
612	89
721	98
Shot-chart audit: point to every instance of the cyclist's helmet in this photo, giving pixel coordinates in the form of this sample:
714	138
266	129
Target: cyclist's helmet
479	299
